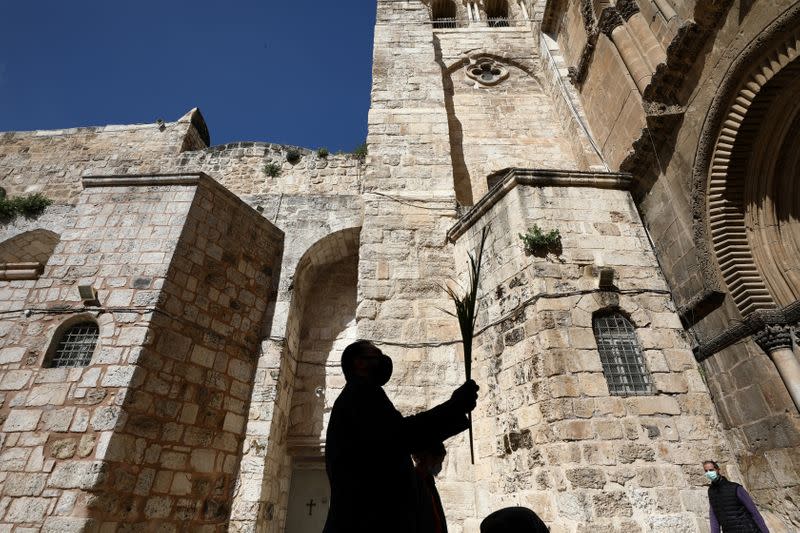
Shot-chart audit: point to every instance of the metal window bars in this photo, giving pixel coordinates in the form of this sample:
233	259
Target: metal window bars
623	362
76	346
445	22
498	22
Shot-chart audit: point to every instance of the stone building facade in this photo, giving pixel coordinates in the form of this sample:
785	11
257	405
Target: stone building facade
172	324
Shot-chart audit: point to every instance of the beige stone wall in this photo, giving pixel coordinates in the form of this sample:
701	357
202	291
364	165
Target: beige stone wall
52	162
409	205
113	441
548	434
612	102
170	425
704	43
58	421
511	124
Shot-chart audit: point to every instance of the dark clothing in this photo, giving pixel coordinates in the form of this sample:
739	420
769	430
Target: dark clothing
367	456
430	511
513	520
732	509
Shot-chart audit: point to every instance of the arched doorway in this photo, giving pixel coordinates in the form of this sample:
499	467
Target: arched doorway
753	197
325	287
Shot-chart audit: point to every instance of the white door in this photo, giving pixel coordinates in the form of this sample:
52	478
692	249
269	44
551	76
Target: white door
309	499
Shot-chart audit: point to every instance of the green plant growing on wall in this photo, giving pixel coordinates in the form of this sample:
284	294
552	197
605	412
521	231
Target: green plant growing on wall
360	153
29	205
323	153
293	156
273	170
537	241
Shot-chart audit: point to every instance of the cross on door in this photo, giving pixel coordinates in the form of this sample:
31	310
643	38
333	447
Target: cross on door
310	506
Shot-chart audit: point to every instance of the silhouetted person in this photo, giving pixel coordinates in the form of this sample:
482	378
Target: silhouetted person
730	505
513	520
428	463
369	444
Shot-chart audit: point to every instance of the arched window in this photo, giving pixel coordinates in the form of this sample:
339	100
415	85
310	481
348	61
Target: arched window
75	346
622	358
443	13
497	13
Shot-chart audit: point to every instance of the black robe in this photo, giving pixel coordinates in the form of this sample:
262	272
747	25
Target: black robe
431	511
368	459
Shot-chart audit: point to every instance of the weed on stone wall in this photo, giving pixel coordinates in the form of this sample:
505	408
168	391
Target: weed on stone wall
323	153
360	153
537	241
273	170
293	156
29	205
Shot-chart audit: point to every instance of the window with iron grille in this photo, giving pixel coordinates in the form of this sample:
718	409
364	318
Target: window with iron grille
443	13
76	346
622	358
496	13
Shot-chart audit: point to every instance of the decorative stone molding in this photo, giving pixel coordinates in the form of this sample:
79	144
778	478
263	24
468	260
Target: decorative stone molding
751	325
486	71
587	12
627	8
673	85
727	193
610	19
139	180
773	337
20	271
537	178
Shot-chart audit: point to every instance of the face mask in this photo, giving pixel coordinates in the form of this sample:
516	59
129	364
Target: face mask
712	475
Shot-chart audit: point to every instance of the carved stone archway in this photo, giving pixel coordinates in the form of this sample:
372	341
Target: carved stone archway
752	206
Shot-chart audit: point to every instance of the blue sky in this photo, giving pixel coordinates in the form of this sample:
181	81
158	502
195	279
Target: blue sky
289	72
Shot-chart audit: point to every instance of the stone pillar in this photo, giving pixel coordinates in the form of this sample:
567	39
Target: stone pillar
648	44
476	14
612	25
776	341
524	10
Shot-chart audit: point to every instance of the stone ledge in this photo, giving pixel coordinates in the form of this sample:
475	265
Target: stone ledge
142	180
538	178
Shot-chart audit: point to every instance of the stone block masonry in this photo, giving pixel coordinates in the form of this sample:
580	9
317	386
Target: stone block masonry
151	431
549	434
217	360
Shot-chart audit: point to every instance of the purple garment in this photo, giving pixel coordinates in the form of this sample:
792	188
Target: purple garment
748	504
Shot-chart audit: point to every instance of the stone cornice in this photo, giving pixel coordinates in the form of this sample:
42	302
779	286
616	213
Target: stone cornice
142	180
750	325
538	178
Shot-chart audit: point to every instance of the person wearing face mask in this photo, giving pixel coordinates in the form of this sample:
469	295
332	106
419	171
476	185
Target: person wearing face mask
731	507
369	443
428	464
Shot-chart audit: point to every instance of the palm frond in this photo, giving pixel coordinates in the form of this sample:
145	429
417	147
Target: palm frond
466	315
